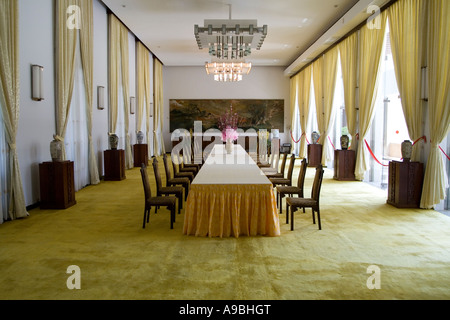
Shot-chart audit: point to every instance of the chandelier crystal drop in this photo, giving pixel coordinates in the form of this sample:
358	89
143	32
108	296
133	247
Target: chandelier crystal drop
228	71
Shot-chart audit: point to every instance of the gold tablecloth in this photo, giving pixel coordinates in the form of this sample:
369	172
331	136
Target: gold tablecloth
231	210
221	208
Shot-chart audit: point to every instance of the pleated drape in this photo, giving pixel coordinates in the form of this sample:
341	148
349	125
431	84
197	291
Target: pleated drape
143	99
435	180
371	45
324	74
66	39
406	19
119	62
304	103
294	88
158	114
348	49
326	123
87	59
10	98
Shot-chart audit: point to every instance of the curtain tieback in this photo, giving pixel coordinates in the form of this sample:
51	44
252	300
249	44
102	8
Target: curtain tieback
58	138
12	146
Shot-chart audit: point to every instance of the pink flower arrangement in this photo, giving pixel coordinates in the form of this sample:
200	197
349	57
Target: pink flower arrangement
228	124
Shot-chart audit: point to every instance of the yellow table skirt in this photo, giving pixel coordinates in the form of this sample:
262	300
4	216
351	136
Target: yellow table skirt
231	210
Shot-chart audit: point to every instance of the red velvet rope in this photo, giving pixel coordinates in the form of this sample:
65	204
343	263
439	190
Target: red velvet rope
424	139
373	156
294	139
331	143
448	158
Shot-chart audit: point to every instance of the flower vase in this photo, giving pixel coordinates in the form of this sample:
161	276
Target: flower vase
229	146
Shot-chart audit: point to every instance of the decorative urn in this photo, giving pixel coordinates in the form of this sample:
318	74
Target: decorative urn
140	137
344	141
113	141
56	147
406	150
315	137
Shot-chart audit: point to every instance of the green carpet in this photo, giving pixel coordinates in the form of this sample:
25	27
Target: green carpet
103	235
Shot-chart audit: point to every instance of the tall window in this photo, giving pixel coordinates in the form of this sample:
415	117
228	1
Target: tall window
445	204
4	172
340	123
389	127
76	140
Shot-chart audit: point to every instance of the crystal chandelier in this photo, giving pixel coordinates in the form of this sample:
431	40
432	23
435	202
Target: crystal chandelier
228	71
230	39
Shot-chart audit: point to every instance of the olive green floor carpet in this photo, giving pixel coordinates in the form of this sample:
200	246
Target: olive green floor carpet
118	259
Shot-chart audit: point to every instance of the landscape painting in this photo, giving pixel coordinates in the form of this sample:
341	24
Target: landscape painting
253	113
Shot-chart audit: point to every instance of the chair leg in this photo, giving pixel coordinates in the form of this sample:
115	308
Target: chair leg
145	218
318	218
281	203
172	216
292	218
313	216
287	213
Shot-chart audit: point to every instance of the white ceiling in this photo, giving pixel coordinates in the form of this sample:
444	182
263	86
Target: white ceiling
166	27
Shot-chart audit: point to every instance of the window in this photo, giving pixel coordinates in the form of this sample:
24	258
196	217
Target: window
388	129
4	173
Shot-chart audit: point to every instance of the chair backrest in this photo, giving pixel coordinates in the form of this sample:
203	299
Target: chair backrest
145	182
275	161
283	163
302	174
166	167
291	167
317	184
157	175
175	163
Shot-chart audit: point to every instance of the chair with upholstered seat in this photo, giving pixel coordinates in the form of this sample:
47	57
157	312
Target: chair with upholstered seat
266	164
280	174
313	202
288	180
160	190
282	191
181	168
179	174
169	202
170	181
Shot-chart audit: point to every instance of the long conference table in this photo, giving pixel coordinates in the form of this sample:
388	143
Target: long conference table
230	196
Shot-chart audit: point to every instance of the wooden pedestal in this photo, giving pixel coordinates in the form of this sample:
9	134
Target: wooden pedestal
140	154
57	186
114	165
314	155
344	165
405	184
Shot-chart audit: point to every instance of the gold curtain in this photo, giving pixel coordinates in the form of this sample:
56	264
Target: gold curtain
87	58
143	99
293	97
438	60
119	62
66	39
348	49
328	115
371	45
10	99
158	114
324	74
304	104
406	20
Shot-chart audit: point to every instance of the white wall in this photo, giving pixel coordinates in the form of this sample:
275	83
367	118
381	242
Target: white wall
194	83
37	122
37	119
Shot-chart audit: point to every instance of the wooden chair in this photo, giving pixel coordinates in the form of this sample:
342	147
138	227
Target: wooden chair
288	180
170	181
181	167
273	174
268	164
160	190
178	174
312	202
169	202
291	190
